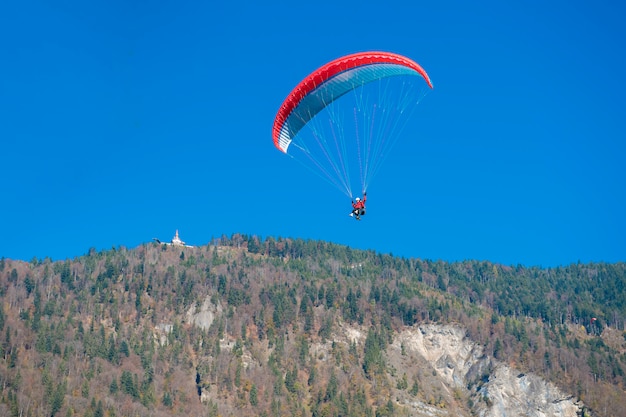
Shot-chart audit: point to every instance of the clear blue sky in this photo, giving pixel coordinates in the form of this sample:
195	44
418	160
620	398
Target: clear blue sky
123	121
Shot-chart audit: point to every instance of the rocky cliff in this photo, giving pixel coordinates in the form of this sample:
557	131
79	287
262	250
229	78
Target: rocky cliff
457	379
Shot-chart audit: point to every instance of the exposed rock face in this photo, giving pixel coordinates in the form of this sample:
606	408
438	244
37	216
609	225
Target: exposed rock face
446	348
514	394
160	333
205	316
495	388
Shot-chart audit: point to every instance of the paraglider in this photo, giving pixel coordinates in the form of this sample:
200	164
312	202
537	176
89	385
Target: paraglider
345	117
358	207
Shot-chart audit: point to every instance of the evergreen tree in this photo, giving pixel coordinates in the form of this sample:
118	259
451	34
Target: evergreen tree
291	377
113	387
254	401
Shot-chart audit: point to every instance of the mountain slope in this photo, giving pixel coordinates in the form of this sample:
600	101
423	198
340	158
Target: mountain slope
246	326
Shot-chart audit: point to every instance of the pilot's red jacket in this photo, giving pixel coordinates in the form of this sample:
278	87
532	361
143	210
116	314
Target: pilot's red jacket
360	204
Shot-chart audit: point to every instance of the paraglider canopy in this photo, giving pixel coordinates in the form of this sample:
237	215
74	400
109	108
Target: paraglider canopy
375	113
356	69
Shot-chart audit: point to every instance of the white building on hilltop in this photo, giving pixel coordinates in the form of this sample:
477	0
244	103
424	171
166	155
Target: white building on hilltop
176	241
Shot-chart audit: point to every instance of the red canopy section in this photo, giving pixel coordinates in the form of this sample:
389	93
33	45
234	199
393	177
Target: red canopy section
330	70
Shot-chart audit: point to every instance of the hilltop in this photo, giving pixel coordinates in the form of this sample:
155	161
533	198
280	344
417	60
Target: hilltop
287	327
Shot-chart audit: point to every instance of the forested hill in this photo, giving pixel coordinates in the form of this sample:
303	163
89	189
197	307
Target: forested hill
249	326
